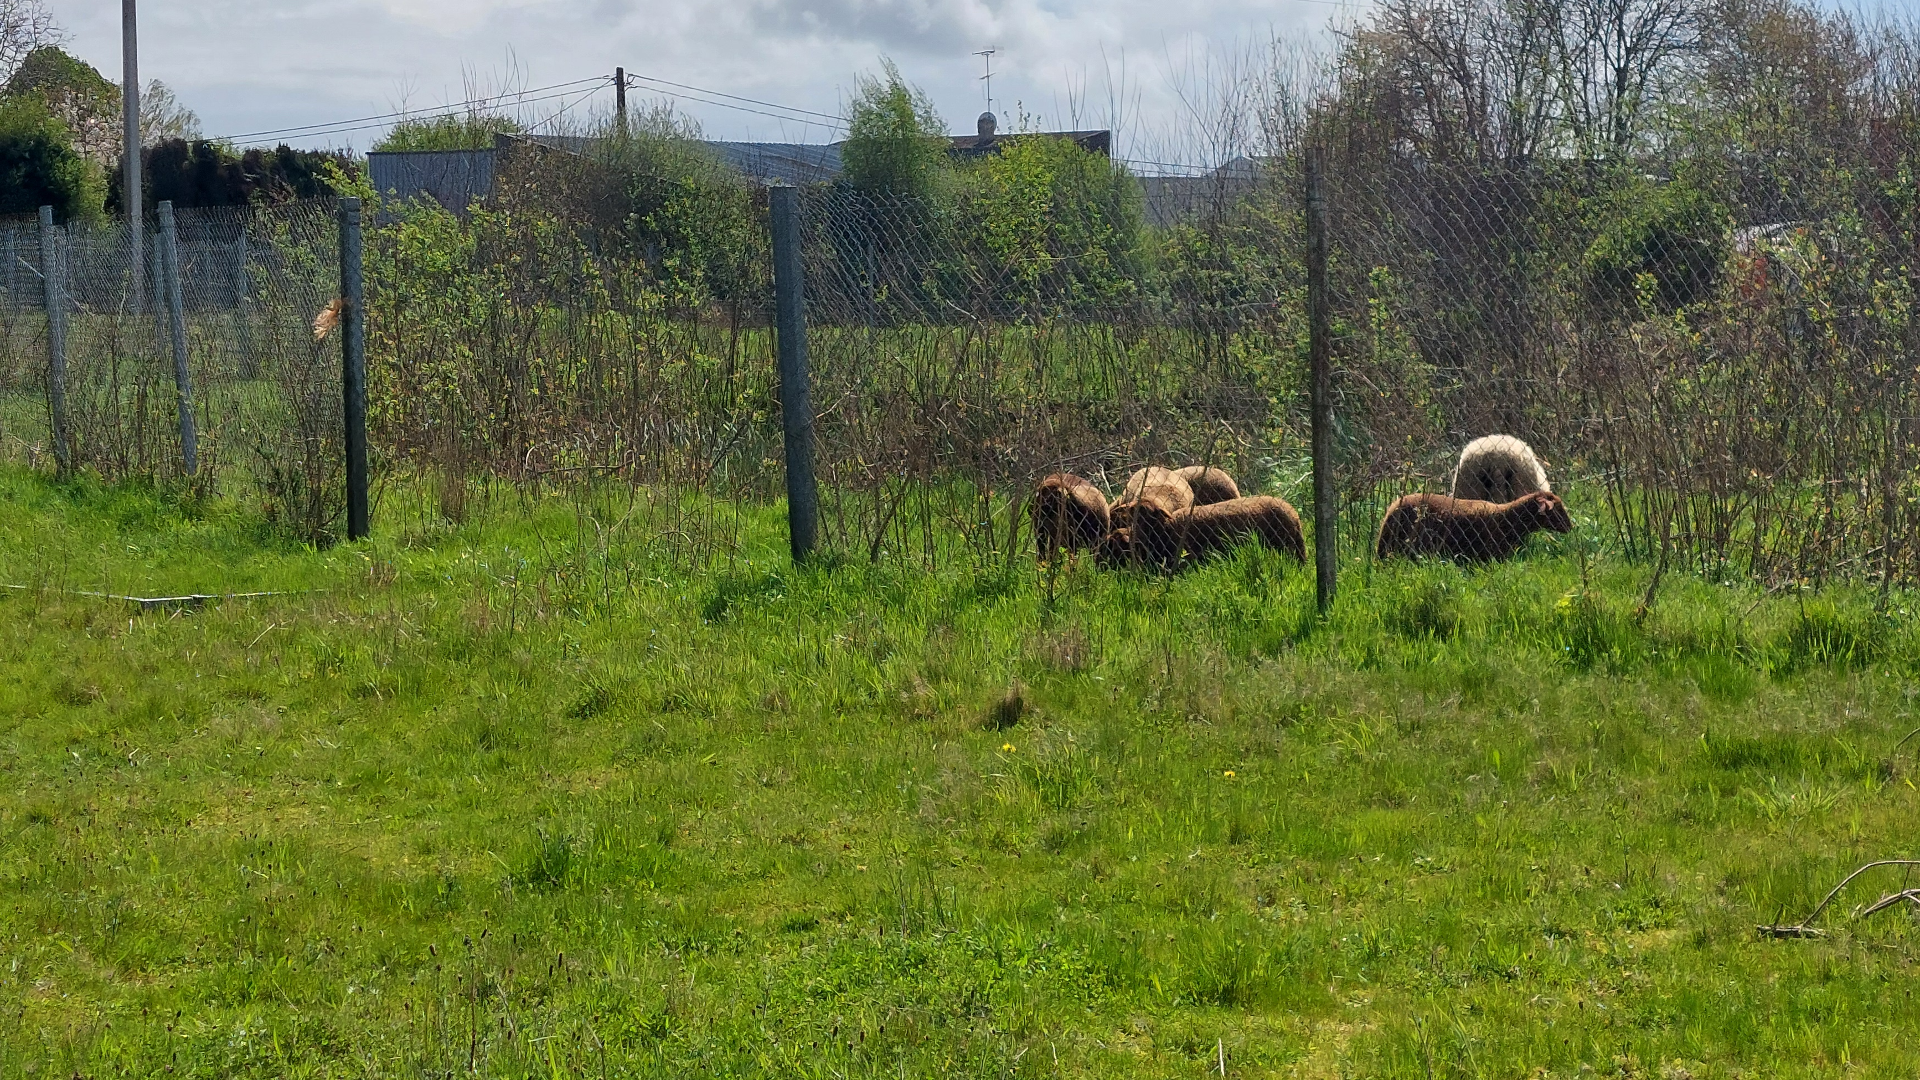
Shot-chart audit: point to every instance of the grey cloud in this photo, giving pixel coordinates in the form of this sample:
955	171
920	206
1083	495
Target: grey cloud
926	26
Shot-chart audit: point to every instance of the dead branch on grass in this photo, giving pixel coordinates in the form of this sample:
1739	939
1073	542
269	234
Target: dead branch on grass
1805	928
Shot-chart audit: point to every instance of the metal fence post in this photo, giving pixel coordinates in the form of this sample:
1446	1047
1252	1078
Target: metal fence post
177	327
1326	522
796	404
54	279
353	368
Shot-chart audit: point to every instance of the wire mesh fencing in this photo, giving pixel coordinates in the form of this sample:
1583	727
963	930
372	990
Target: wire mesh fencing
544	340
1712	351
956	363
264	394
1727	375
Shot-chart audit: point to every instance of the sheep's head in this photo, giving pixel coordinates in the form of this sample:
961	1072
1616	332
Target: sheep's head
1116	550
1549	512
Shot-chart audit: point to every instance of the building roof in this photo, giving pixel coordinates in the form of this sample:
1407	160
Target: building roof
972	146
787	163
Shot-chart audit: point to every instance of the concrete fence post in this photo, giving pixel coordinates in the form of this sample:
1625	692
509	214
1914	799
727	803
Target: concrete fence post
177	332
1326	519
796	397
353	369
53	278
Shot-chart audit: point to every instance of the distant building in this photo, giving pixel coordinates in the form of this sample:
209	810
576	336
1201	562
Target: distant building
987	140
1171	200
455	178
784	163
452	178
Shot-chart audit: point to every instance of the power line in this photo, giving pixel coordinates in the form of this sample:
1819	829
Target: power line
632	78
562	111
405	113
348	127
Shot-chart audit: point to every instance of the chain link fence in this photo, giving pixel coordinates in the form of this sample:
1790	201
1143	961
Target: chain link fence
265	394
1712	349
1721	365
955	365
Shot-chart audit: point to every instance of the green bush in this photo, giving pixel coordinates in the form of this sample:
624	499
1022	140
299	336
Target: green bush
39	166
1063	225
896	142
1661	244
474	131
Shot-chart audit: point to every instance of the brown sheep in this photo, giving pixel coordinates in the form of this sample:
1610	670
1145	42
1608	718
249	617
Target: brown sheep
1152	492
1216	527
1068	512
1116	550
1209	485
1201	531
1467	529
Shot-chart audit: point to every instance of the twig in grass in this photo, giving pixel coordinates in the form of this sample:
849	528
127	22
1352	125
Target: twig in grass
175	603
1805	929
1903	741
1910	895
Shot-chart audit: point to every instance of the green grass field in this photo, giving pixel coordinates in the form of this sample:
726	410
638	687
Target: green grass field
509	800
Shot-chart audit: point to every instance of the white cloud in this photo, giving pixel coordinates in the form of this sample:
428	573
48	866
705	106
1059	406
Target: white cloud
247	66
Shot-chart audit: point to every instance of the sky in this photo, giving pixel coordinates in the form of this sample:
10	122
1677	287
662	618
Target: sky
1138	66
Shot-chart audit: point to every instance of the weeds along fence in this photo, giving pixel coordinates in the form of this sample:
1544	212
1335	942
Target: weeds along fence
1723	356
265	396
1714	348
590	328
604	320
956	361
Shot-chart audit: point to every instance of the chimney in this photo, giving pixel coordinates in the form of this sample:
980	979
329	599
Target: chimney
987	124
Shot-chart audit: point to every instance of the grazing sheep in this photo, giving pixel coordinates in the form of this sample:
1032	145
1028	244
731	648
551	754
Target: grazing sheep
1467	529
1068	512
1200	531
1152	492
1116	550
1498	469
1209	485
1216	527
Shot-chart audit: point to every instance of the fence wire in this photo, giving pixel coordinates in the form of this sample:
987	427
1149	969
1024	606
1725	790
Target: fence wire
955	366
1722	372
1711	349
266	395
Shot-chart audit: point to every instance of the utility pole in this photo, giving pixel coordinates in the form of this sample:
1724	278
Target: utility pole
620	99
131	197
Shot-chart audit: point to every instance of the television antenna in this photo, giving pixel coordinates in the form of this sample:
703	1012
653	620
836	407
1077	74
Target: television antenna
987	79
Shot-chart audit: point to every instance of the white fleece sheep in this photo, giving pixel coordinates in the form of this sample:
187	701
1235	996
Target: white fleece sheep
1498	469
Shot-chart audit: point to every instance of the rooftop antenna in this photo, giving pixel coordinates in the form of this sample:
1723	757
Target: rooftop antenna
988	77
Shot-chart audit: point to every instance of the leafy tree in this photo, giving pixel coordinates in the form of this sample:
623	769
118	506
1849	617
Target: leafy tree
82	98
473	131
202	173
1662	242
39	166
89	104
1063	224
896	142
163	118
25	26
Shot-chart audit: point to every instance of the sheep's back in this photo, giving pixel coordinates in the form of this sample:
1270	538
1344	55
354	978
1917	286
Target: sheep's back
1210	485
1068	511
1498	469
1205	530
1161	492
